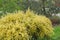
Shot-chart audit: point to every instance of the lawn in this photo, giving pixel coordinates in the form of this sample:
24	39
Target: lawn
57	33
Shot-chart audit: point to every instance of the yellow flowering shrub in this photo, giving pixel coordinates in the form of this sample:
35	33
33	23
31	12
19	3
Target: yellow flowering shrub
13	32
24	26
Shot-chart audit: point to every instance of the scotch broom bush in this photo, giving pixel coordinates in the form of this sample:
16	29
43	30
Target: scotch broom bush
24	26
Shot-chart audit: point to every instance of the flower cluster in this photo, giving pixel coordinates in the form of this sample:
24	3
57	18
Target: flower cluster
24	25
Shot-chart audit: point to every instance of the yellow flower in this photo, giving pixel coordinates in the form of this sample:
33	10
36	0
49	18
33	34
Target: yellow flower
23	25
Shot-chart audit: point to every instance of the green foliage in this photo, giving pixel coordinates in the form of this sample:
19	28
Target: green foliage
24	26
10	5
57	33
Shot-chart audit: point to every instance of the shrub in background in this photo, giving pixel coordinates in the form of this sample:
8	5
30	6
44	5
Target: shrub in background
55	20
25	26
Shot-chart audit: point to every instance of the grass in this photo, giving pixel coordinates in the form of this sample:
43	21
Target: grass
57	33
